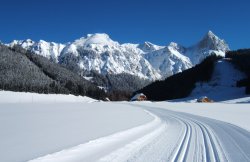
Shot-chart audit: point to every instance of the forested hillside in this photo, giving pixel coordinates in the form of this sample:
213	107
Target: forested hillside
21	70
241	59
180	85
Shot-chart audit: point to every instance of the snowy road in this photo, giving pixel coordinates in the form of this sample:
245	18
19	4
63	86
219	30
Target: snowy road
171	136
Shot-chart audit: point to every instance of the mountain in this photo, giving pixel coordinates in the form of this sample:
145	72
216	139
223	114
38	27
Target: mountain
168	60
210	44
100	54
97	52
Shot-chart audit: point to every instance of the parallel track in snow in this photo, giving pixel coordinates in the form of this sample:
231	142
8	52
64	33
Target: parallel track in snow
194	138
172	136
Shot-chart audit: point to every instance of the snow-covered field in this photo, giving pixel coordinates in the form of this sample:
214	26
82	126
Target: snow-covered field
21	97
31	128
82	130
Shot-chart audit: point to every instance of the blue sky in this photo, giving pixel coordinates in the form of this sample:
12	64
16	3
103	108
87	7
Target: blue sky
135	21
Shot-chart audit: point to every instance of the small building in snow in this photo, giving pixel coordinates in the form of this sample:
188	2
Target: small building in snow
204	99
139	97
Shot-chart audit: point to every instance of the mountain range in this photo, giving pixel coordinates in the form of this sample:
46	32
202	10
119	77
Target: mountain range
99	53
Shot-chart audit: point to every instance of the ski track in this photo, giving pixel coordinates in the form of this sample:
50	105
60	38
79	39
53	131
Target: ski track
172	136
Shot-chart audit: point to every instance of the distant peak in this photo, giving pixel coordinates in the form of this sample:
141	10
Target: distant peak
43	41
149	47
173	44
210	34
98	35
212	42
147	44
29	40
176	46
97	39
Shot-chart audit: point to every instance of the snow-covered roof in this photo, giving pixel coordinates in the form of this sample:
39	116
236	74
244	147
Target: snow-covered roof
137	96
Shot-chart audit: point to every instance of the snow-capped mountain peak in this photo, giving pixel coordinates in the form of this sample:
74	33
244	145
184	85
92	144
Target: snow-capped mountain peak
211	34
149	47
208	45
213	42
99	42
23	43
100	39
49	50
177	47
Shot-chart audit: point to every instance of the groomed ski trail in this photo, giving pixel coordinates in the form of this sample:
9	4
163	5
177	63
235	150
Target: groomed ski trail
171	136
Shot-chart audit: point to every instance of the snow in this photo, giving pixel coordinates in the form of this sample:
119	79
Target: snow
69	131
238	100
168	61
22	97
88	78
203	135
149	47
33	129
227	111
209	45
123	131
50	50
135	97
171	136
99	53
99	41
95	149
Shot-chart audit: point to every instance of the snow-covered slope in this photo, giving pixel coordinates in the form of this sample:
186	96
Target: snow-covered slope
210	44
168	60
149	47
98	52
49	50
27	97
222	85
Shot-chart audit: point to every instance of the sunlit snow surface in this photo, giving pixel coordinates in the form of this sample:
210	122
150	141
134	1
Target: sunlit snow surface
34	125
88	130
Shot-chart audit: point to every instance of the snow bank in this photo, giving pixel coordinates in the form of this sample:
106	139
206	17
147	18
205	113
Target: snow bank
239	100
23	97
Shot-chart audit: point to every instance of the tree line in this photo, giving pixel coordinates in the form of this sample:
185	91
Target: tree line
241	60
